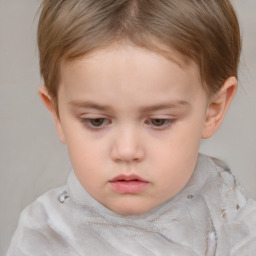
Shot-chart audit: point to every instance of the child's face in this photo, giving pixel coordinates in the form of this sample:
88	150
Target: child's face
132	121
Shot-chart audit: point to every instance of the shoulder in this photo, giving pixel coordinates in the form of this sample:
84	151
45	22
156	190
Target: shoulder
40	212
41	226
233	212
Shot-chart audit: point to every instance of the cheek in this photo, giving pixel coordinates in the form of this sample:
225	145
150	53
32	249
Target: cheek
189	132
183	142
87	162
177	165
176	155
85	153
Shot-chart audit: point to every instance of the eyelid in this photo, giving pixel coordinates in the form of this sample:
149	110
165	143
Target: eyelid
87	122
167	122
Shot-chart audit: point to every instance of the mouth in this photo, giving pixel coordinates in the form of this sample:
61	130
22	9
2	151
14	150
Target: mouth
128	184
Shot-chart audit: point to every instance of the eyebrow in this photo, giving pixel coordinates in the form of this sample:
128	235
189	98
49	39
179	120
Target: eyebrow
89	104
162	106
167	105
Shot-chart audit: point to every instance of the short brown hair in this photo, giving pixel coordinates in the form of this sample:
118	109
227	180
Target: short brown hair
206	31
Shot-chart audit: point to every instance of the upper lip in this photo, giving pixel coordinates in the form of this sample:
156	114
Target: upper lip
124	177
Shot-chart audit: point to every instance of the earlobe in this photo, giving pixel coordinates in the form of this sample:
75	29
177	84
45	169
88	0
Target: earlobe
48	102
218	107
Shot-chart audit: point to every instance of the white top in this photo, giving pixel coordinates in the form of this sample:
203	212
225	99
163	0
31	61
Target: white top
210	216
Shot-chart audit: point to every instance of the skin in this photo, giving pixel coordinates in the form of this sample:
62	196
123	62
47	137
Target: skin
124	110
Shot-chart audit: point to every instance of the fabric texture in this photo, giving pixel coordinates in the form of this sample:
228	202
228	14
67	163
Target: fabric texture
210	216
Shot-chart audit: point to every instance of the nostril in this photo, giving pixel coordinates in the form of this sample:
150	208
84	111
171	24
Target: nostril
127	150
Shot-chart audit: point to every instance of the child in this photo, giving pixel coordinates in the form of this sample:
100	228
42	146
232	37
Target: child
133	85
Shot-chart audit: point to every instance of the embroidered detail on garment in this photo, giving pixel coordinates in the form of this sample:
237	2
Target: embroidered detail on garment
63	197
212	240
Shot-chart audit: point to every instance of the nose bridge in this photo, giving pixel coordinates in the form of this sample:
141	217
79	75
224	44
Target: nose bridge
127	144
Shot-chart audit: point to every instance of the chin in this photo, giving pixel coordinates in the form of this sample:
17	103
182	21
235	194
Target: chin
130	209
130	212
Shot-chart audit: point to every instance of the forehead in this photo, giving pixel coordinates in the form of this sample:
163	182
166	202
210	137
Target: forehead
124	51
126	69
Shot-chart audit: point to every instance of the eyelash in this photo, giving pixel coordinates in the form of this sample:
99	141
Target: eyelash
150	122
164	123
88	122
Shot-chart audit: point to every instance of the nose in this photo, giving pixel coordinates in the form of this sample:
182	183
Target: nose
127	146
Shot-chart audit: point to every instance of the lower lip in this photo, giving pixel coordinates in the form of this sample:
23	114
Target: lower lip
128	187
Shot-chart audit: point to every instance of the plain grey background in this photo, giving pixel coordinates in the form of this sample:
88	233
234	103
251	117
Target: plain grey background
32	160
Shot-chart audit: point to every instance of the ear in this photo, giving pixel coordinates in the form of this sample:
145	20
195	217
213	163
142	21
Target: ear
48	102
218	107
